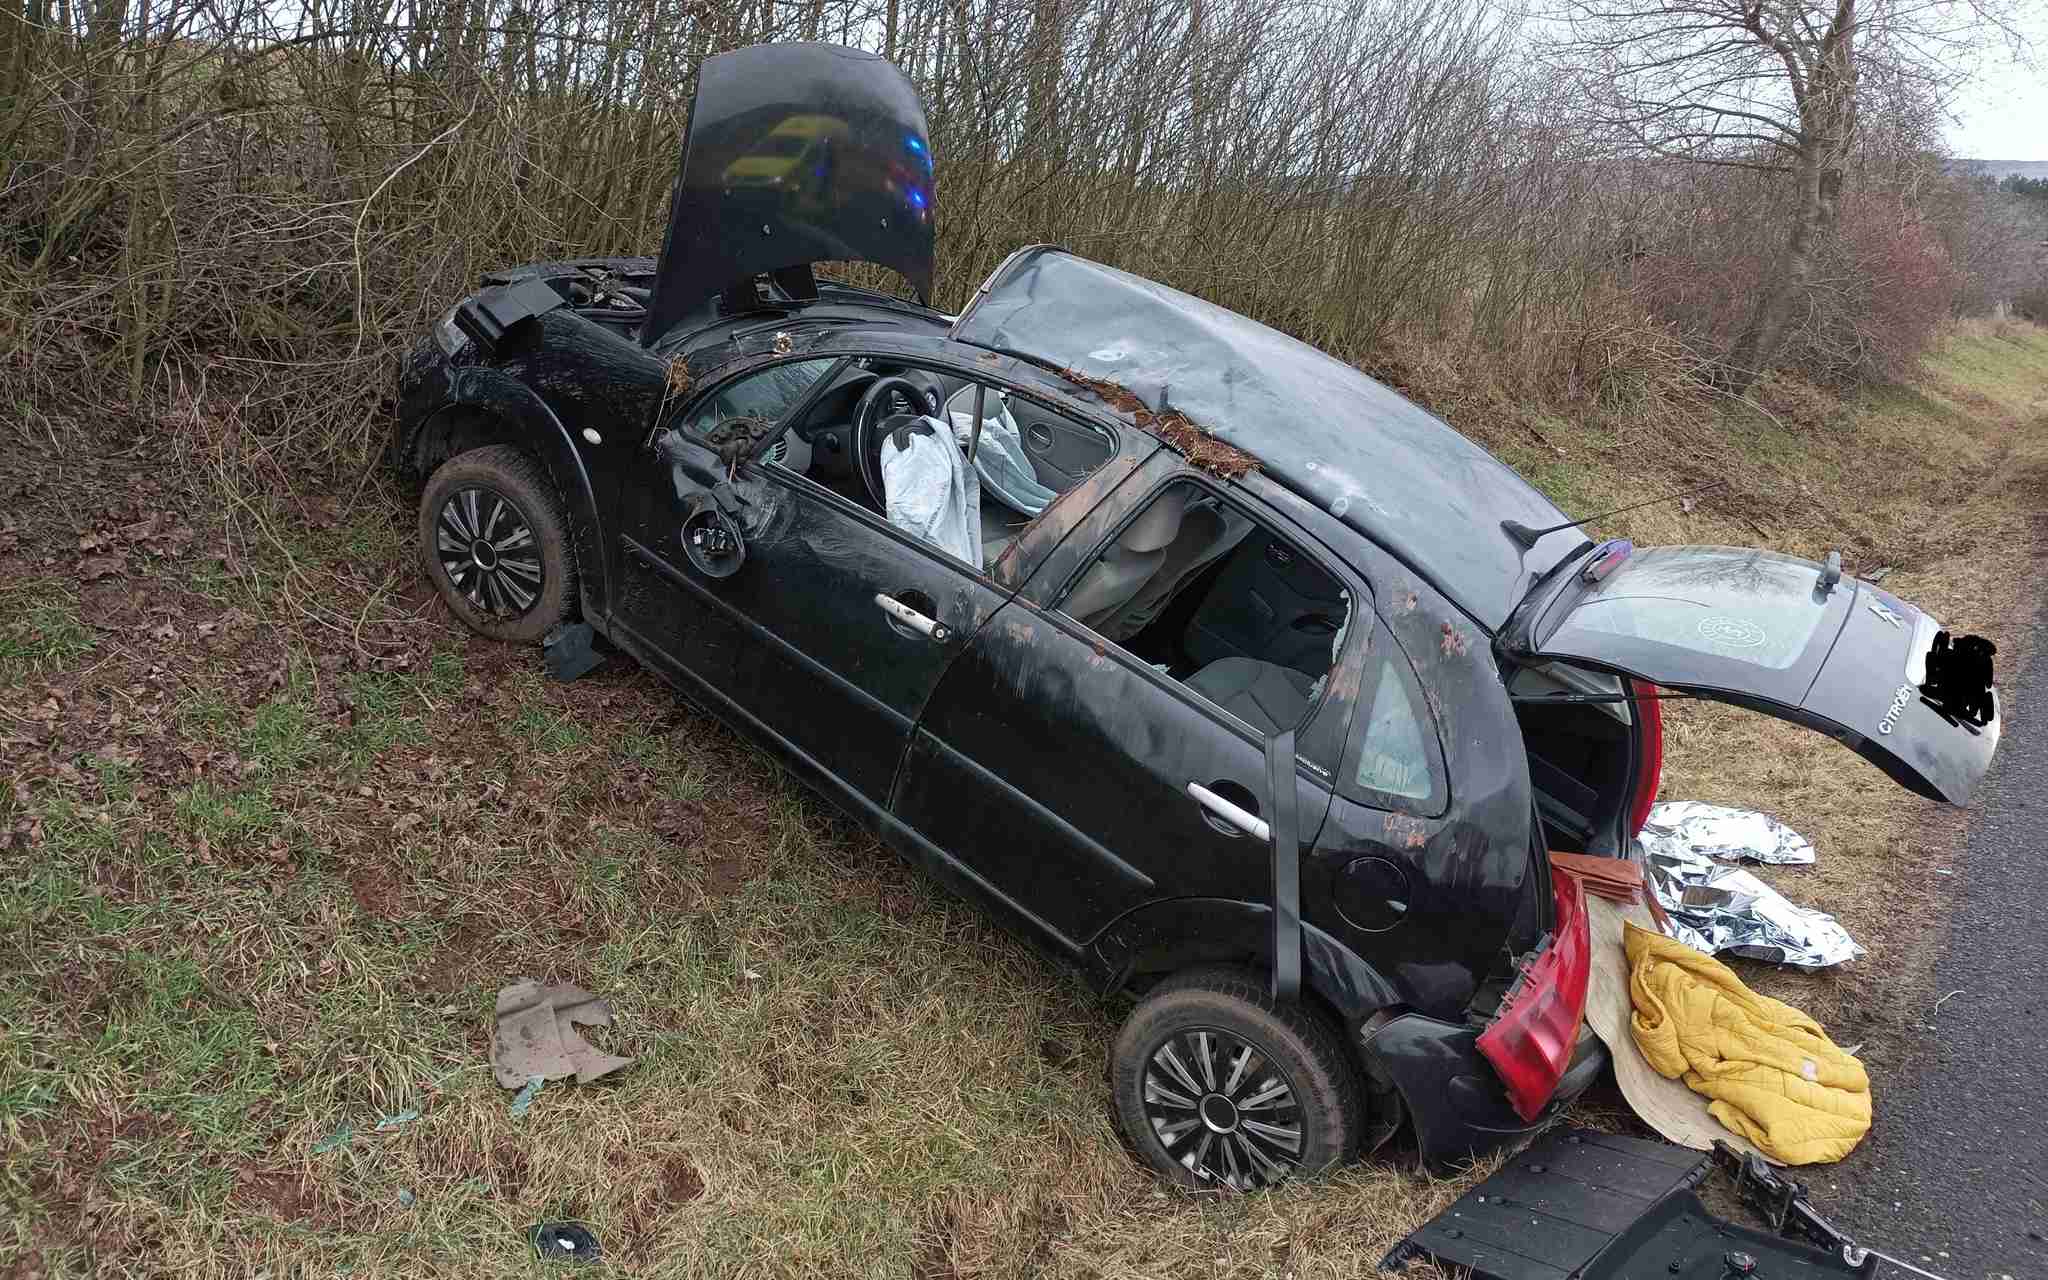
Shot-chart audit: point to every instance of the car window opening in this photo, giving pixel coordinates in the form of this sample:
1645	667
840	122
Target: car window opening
901	441
1214	599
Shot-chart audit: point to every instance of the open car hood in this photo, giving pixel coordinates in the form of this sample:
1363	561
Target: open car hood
1387	467
795	154
1792	639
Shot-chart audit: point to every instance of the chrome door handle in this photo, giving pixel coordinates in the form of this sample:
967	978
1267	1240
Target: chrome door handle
909	617
1249	823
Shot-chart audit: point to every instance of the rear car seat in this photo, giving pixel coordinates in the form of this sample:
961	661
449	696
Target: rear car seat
1271	699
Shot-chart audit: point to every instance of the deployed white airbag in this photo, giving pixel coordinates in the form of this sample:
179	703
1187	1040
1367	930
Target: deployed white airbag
931	491
1005	468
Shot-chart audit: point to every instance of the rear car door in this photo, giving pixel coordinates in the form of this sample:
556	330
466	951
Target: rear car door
1057	766
1790	638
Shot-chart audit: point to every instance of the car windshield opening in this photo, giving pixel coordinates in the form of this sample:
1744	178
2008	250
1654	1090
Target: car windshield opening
919	461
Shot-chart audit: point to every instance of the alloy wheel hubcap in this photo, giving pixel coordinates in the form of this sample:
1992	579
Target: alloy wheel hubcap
488	549
1222	1109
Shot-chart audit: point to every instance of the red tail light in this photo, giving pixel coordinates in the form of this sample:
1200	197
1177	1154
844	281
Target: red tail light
1530	1044
1650	763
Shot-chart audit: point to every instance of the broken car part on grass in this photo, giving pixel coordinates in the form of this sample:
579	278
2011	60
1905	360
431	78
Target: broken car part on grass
535	1038
1583	1205
571	1242
1075	727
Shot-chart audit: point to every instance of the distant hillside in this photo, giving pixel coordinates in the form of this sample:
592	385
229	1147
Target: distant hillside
2004	168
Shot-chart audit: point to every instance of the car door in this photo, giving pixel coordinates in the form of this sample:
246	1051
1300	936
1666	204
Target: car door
1790	638
829	636
1057	766
1061	451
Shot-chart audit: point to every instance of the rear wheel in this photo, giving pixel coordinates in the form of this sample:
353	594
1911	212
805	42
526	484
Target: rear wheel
1218	1087
494	541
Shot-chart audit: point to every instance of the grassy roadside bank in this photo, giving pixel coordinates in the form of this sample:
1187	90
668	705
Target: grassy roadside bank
277	831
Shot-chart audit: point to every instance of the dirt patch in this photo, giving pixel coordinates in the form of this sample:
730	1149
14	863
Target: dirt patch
1174	427
460	958
682	825
725	876
509	1170
283	1194
1057	1054
377	891
680	1181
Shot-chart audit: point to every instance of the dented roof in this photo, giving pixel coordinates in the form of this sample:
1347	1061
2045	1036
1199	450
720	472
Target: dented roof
1382	464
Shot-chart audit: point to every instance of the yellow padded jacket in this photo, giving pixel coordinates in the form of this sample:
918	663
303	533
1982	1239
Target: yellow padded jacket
1770	1072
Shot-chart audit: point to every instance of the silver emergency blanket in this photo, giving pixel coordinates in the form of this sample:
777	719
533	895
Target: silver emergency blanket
1732	835
931	491
1722	909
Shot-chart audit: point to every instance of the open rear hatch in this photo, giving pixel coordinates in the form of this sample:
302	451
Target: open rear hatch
1787	637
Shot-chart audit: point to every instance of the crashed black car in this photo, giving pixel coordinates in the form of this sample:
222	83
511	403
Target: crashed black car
1198	657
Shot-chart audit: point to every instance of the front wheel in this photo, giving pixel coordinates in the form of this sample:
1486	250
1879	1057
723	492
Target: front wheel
1218	1087
495	543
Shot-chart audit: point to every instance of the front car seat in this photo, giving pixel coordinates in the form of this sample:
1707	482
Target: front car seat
1208	531
1111	583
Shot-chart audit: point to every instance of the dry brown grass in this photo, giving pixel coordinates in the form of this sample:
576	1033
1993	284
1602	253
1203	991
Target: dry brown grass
276	830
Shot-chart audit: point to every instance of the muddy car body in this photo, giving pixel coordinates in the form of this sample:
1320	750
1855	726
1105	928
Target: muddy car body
1266	714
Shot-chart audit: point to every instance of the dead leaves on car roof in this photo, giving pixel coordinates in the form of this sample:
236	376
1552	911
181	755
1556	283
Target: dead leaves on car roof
1201	449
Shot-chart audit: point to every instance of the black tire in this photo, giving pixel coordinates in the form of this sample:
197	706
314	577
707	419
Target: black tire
1158	1053
518	582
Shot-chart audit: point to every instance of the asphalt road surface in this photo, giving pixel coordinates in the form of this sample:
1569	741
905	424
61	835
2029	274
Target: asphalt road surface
1954	1175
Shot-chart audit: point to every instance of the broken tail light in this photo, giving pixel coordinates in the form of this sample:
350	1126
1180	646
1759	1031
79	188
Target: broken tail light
1649	754
1531	1043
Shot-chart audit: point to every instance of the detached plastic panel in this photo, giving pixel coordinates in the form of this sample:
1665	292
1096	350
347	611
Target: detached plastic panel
1552	1209
1581	1205
1679	1240
494	312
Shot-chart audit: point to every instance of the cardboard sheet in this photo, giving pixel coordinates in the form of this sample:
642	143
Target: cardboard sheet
1667	1106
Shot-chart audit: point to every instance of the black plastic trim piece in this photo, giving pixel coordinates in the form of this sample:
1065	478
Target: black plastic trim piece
489	314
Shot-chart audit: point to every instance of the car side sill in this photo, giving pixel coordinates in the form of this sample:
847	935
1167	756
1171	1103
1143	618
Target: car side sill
949	870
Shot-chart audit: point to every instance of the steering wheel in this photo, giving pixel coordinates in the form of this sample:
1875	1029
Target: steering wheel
890	397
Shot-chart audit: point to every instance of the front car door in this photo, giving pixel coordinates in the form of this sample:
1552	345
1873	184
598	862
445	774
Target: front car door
834	629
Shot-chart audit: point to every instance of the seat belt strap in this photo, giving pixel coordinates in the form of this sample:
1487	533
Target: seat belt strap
1286	828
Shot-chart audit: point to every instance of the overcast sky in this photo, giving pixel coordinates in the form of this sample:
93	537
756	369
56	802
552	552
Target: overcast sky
2004	113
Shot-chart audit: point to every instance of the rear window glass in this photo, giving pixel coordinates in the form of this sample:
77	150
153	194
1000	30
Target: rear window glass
1749	606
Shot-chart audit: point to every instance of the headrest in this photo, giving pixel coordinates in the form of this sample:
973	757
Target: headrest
1159	525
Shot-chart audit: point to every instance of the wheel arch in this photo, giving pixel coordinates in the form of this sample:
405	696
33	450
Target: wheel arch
1161	938
487	407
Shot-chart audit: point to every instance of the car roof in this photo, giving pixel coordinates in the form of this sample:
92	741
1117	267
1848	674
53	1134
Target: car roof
1380	463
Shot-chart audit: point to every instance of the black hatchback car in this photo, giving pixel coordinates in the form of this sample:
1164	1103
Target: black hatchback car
1198	657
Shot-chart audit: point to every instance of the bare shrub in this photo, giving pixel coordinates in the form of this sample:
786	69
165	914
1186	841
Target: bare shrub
263	203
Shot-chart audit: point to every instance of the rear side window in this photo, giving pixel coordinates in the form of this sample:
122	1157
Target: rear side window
1391	757
1394	761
